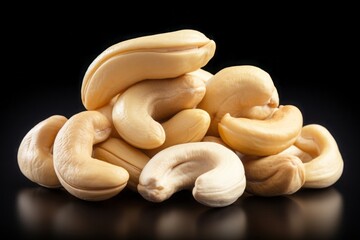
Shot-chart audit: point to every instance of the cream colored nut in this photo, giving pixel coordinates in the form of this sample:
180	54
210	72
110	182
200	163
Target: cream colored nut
158	56
118	152
214	172
218	140
35	157
262	137
80	174
138	110
242	91
279	174
326	166
189	125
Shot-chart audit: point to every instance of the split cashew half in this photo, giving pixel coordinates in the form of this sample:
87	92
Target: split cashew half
189	125
326	165
158	56
242	91
215	173
138	110
275	175
35	157
80	174
118	152
262	137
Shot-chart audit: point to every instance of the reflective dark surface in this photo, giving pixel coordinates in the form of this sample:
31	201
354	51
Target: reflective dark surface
308	61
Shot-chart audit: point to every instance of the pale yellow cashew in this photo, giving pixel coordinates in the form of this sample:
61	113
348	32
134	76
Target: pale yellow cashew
80	174
242	91
158	56
138	110
189	125
118	152
35	157
279	174
326	165
214	172
262	137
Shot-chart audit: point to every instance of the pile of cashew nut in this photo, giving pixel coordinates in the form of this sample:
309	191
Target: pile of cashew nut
156	122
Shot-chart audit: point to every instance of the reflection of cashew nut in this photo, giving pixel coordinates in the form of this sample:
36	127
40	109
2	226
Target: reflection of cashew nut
189	125
83	176
262	137
242	91
137	109
214	171
280	174
326	166
158	56
35	158
118	152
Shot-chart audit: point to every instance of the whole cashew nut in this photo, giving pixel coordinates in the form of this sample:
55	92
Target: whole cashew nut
35	157
262	137
326	165
189	125
80	174
158	56
242	91
214	172
138	110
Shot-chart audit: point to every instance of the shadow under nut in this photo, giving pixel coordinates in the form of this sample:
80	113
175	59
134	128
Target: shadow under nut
138	110
80	174
35	157
164	55
326	165
213	172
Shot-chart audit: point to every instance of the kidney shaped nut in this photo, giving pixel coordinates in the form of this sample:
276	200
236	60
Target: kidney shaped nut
80	174
326	165
158	56
262	137
215	173
279	174
188	125
138	110
242	91
118	152
35	157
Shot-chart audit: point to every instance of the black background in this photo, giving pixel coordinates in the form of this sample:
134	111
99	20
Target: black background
310	54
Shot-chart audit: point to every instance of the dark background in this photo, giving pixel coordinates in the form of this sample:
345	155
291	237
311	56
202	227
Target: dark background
311	57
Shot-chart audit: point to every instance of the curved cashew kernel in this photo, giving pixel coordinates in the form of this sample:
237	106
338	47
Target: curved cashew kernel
262	137
279	174
242	91
118	152
164	55
214	171
326	166
81	175
189	125
35	158
137	111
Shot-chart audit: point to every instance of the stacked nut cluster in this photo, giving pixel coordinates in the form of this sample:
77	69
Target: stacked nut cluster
157	123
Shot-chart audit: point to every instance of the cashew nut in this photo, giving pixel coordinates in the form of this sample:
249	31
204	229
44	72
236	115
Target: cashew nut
242	91
215	173
137	110
80	174
35	157
326	165
158	56
262	137
279	174
189	125
118	152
